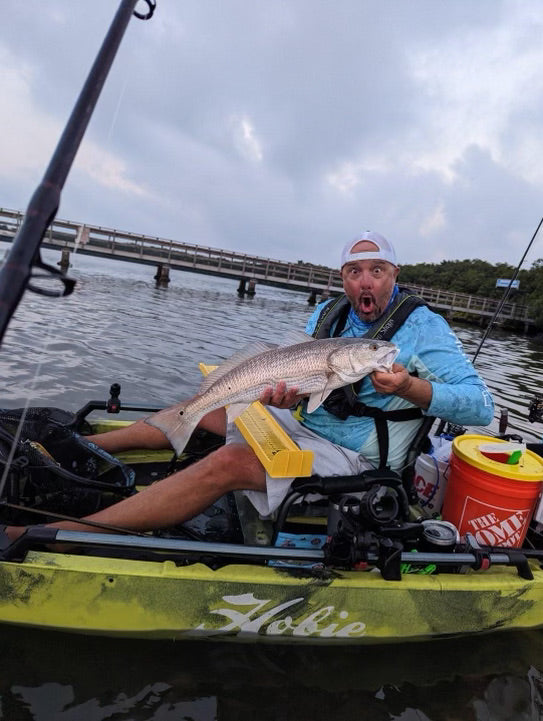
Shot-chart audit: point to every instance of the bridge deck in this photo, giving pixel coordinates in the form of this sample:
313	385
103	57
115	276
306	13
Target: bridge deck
122	245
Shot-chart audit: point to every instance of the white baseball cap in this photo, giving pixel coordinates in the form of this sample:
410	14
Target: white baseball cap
385	249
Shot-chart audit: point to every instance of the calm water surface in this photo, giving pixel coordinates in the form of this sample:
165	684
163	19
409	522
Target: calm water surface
118	328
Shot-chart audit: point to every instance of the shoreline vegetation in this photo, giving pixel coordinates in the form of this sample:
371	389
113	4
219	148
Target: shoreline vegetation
478	277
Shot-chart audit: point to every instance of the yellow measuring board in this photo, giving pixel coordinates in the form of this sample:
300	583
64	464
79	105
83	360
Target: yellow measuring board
277	452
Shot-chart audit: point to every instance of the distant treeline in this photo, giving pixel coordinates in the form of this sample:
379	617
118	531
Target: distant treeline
477	277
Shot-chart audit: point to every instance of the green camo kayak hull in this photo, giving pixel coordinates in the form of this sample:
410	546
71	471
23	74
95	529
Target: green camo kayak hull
158	599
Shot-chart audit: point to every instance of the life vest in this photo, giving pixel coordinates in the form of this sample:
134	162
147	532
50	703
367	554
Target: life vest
343	402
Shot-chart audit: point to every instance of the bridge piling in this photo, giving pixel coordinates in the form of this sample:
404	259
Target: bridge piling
241	287
247	287
64	261
312	297
162	276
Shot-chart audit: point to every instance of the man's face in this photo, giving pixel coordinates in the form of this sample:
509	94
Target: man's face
368	284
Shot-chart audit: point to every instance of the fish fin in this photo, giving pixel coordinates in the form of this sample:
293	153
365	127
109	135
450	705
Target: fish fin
295	337
248	351
234	410
176	426
317	399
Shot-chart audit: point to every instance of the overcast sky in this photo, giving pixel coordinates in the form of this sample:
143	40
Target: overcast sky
283	128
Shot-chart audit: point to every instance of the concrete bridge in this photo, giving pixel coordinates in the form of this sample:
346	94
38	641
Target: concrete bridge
166	255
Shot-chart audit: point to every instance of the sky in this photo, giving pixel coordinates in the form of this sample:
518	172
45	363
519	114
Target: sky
286	128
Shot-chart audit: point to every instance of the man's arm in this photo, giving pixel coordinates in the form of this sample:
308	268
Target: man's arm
458	393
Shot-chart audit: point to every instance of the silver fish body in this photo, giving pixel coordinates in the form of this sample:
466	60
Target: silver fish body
313	367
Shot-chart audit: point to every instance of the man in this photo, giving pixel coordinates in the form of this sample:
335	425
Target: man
432	376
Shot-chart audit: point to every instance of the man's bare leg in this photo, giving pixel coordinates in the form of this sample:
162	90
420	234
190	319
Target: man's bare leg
188	492
142	435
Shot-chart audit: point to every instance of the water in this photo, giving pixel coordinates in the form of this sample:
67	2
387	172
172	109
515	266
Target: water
118	328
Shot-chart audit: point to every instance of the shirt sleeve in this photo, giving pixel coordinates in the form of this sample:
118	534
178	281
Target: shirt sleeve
459	394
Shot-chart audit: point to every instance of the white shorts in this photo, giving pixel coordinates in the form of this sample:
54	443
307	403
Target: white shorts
329	460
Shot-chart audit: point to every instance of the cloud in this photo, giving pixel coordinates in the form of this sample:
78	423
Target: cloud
28	151
478	89
109	171
281	129
434	221
245	138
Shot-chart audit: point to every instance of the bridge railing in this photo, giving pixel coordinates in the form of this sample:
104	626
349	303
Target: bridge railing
123	244
67	234
471	303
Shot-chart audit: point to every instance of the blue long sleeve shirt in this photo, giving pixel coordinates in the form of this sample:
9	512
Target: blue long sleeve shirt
429	347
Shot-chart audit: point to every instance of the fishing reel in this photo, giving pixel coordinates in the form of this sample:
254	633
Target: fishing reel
356	548
376	507
380	512
380	500
373	527
450	430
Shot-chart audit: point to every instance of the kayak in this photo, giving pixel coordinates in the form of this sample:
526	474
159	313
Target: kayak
225	576
159	599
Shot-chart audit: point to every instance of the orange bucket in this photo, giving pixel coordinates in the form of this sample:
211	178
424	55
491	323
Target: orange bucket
493	501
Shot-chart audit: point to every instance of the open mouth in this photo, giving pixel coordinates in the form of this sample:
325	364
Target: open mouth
390	357
367	303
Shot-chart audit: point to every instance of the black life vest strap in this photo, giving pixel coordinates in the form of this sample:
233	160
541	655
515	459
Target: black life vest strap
336	309
380	418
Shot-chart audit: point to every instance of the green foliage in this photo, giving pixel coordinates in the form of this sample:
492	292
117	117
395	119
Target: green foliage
478	277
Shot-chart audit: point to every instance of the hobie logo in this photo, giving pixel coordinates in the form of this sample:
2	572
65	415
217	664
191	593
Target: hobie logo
250	615
498	527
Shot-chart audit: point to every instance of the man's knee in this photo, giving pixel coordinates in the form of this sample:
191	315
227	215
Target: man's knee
215	421
237	456
238	466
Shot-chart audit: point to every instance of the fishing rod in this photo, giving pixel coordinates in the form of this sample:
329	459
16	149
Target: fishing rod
203	551
506	293
17	271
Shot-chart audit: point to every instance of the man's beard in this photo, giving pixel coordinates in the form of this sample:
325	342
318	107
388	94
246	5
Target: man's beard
366	308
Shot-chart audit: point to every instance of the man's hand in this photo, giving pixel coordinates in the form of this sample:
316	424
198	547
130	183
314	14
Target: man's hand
415	390
280	397
398	381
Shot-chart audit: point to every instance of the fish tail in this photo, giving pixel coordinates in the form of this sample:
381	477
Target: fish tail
176	425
